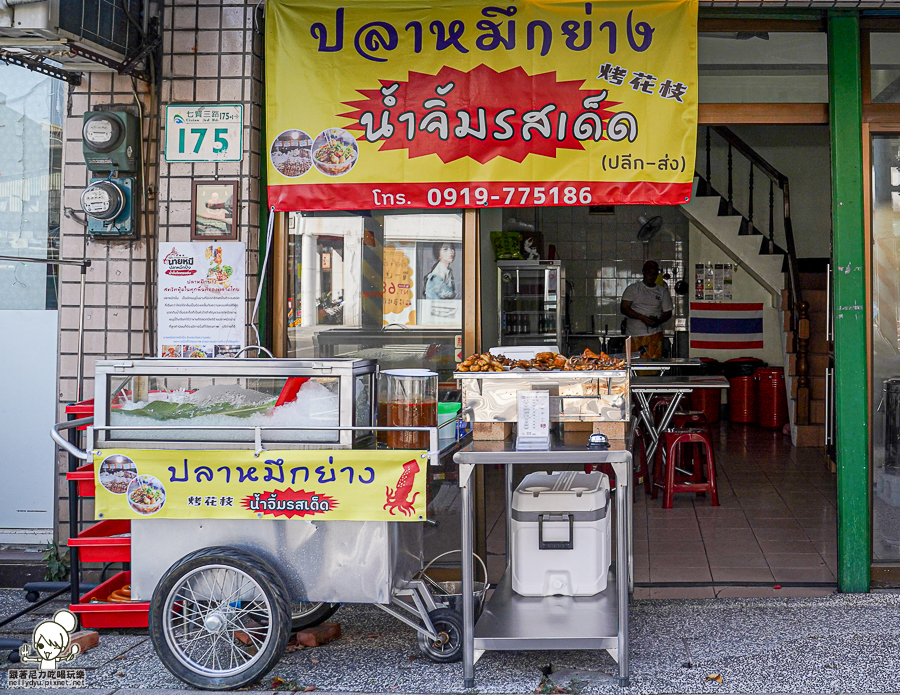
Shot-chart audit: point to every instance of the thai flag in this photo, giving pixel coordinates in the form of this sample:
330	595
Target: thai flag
726	326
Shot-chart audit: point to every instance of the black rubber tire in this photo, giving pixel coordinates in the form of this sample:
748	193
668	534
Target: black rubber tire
449	624
311	616
275	593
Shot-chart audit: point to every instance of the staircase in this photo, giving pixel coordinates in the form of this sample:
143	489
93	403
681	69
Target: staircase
800	296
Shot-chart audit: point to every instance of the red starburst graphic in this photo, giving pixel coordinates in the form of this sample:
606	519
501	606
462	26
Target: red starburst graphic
289	503
507	96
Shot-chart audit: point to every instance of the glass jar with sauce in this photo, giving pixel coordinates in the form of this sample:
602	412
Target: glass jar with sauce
411	402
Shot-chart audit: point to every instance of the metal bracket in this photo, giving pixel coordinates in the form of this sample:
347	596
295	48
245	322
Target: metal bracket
465	472
37	65
257	439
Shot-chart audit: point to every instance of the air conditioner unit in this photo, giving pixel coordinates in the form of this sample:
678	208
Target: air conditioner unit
71	36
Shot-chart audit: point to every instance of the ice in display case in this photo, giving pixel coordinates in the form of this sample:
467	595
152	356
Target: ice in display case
531	301
223	400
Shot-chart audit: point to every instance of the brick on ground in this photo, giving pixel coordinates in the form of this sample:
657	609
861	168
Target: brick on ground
319	635
85	639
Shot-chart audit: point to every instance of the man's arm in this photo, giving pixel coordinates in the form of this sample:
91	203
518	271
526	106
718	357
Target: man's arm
625	307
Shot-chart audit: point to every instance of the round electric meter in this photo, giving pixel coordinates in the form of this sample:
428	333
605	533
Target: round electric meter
102	132
103	200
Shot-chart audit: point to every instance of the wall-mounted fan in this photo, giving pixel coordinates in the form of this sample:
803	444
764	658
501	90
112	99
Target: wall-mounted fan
650	227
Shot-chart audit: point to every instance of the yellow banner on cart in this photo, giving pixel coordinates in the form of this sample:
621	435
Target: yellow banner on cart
317	485
466	103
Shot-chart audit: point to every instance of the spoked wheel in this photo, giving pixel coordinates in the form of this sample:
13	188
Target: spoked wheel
447	648
311	613
220	619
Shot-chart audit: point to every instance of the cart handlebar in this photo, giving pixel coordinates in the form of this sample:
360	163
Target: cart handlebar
65	443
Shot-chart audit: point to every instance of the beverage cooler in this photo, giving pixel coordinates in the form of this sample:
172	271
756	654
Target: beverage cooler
531	301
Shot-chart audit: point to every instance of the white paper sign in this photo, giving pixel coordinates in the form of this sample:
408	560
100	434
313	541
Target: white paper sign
533	421
201	299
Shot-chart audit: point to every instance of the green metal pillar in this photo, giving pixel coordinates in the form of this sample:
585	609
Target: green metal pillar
850	373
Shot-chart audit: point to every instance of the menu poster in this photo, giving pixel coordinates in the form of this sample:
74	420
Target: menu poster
439	283
201	299
719	281
699	279
728	286
399	280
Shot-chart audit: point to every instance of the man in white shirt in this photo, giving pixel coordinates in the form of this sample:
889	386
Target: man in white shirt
646	306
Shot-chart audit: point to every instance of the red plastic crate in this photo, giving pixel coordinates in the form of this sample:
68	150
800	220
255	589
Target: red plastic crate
85	477
95	545
81	409
113	615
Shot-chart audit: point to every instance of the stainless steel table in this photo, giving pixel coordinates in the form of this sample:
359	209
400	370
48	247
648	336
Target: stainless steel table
664	364
513	622
645	387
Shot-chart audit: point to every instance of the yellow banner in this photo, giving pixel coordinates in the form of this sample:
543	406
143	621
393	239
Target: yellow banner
337	484
462	103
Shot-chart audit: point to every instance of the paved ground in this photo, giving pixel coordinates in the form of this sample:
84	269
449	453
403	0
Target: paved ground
833	644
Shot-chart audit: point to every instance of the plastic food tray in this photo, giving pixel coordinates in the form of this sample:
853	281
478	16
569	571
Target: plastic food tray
96	545
100	615
85	477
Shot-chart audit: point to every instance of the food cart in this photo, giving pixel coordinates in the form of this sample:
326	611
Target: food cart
250	493
256	500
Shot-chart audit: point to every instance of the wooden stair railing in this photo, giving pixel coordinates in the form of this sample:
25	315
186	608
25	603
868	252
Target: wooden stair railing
798	307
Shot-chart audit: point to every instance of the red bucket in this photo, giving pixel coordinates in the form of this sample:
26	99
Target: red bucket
772	410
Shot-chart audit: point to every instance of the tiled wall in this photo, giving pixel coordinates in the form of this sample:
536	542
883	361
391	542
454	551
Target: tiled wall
602	256
211	52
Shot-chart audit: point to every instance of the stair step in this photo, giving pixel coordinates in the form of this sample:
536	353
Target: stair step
816	388
817	344
810	435
818	299
818	321
817	411
818	363
814	281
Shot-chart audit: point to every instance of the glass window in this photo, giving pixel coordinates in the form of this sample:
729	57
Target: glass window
31	113
886	347
385	286
763	67
884	56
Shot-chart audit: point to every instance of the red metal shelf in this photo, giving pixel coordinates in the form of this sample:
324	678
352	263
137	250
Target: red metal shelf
96	545
111	615
85	477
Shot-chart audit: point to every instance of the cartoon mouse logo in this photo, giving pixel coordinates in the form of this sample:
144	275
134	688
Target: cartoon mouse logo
51	641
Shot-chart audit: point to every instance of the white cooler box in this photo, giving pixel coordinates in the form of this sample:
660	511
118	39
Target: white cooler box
561	534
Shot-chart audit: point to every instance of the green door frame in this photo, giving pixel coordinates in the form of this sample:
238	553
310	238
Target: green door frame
850	347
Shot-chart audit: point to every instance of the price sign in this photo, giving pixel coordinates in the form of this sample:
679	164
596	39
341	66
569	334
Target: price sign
204	133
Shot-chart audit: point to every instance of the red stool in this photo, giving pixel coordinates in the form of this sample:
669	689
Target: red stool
659	405
689	418
675	441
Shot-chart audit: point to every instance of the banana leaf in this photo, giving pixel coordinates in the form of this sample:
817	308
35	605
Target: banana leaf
165	410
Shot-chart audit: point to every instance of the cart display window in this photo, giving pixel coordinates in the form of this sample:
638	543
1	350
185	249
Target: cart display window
222	401
385	286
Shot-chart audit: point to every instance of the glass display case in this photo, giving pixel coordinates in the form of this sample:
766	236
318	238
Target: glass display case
531	298
222	401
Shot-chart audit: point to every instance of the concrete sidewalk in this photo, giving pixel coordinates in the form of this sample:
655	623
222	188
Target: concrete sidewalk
833	644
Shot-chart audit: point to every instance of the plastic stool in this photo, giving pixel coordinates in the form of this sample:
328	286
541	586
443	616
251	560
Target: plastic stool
675	441
689	418
659	405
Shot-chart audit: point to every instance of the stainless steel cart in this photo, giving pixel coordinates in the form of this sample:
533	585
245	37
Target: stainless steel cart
224	593
513	622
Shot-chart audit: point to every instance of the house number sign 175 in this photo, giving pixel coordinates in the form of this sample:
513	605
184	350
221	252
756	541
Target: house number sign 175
204	133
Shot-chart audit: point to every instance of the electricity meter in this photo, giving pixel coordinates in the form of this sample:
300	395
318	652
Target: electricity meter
103	200
109	141
109	206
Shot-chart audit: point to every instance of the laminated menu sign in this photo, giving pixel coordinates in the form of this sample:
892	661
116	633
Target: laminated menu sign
426	104
533	420
314	485
201	299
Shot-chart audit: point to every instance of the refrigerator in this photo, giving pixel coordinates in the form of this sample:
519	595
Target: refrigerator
531	298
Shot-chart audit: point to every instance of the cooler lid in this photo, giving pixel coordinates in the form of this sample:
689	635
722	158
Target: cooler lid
562	491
